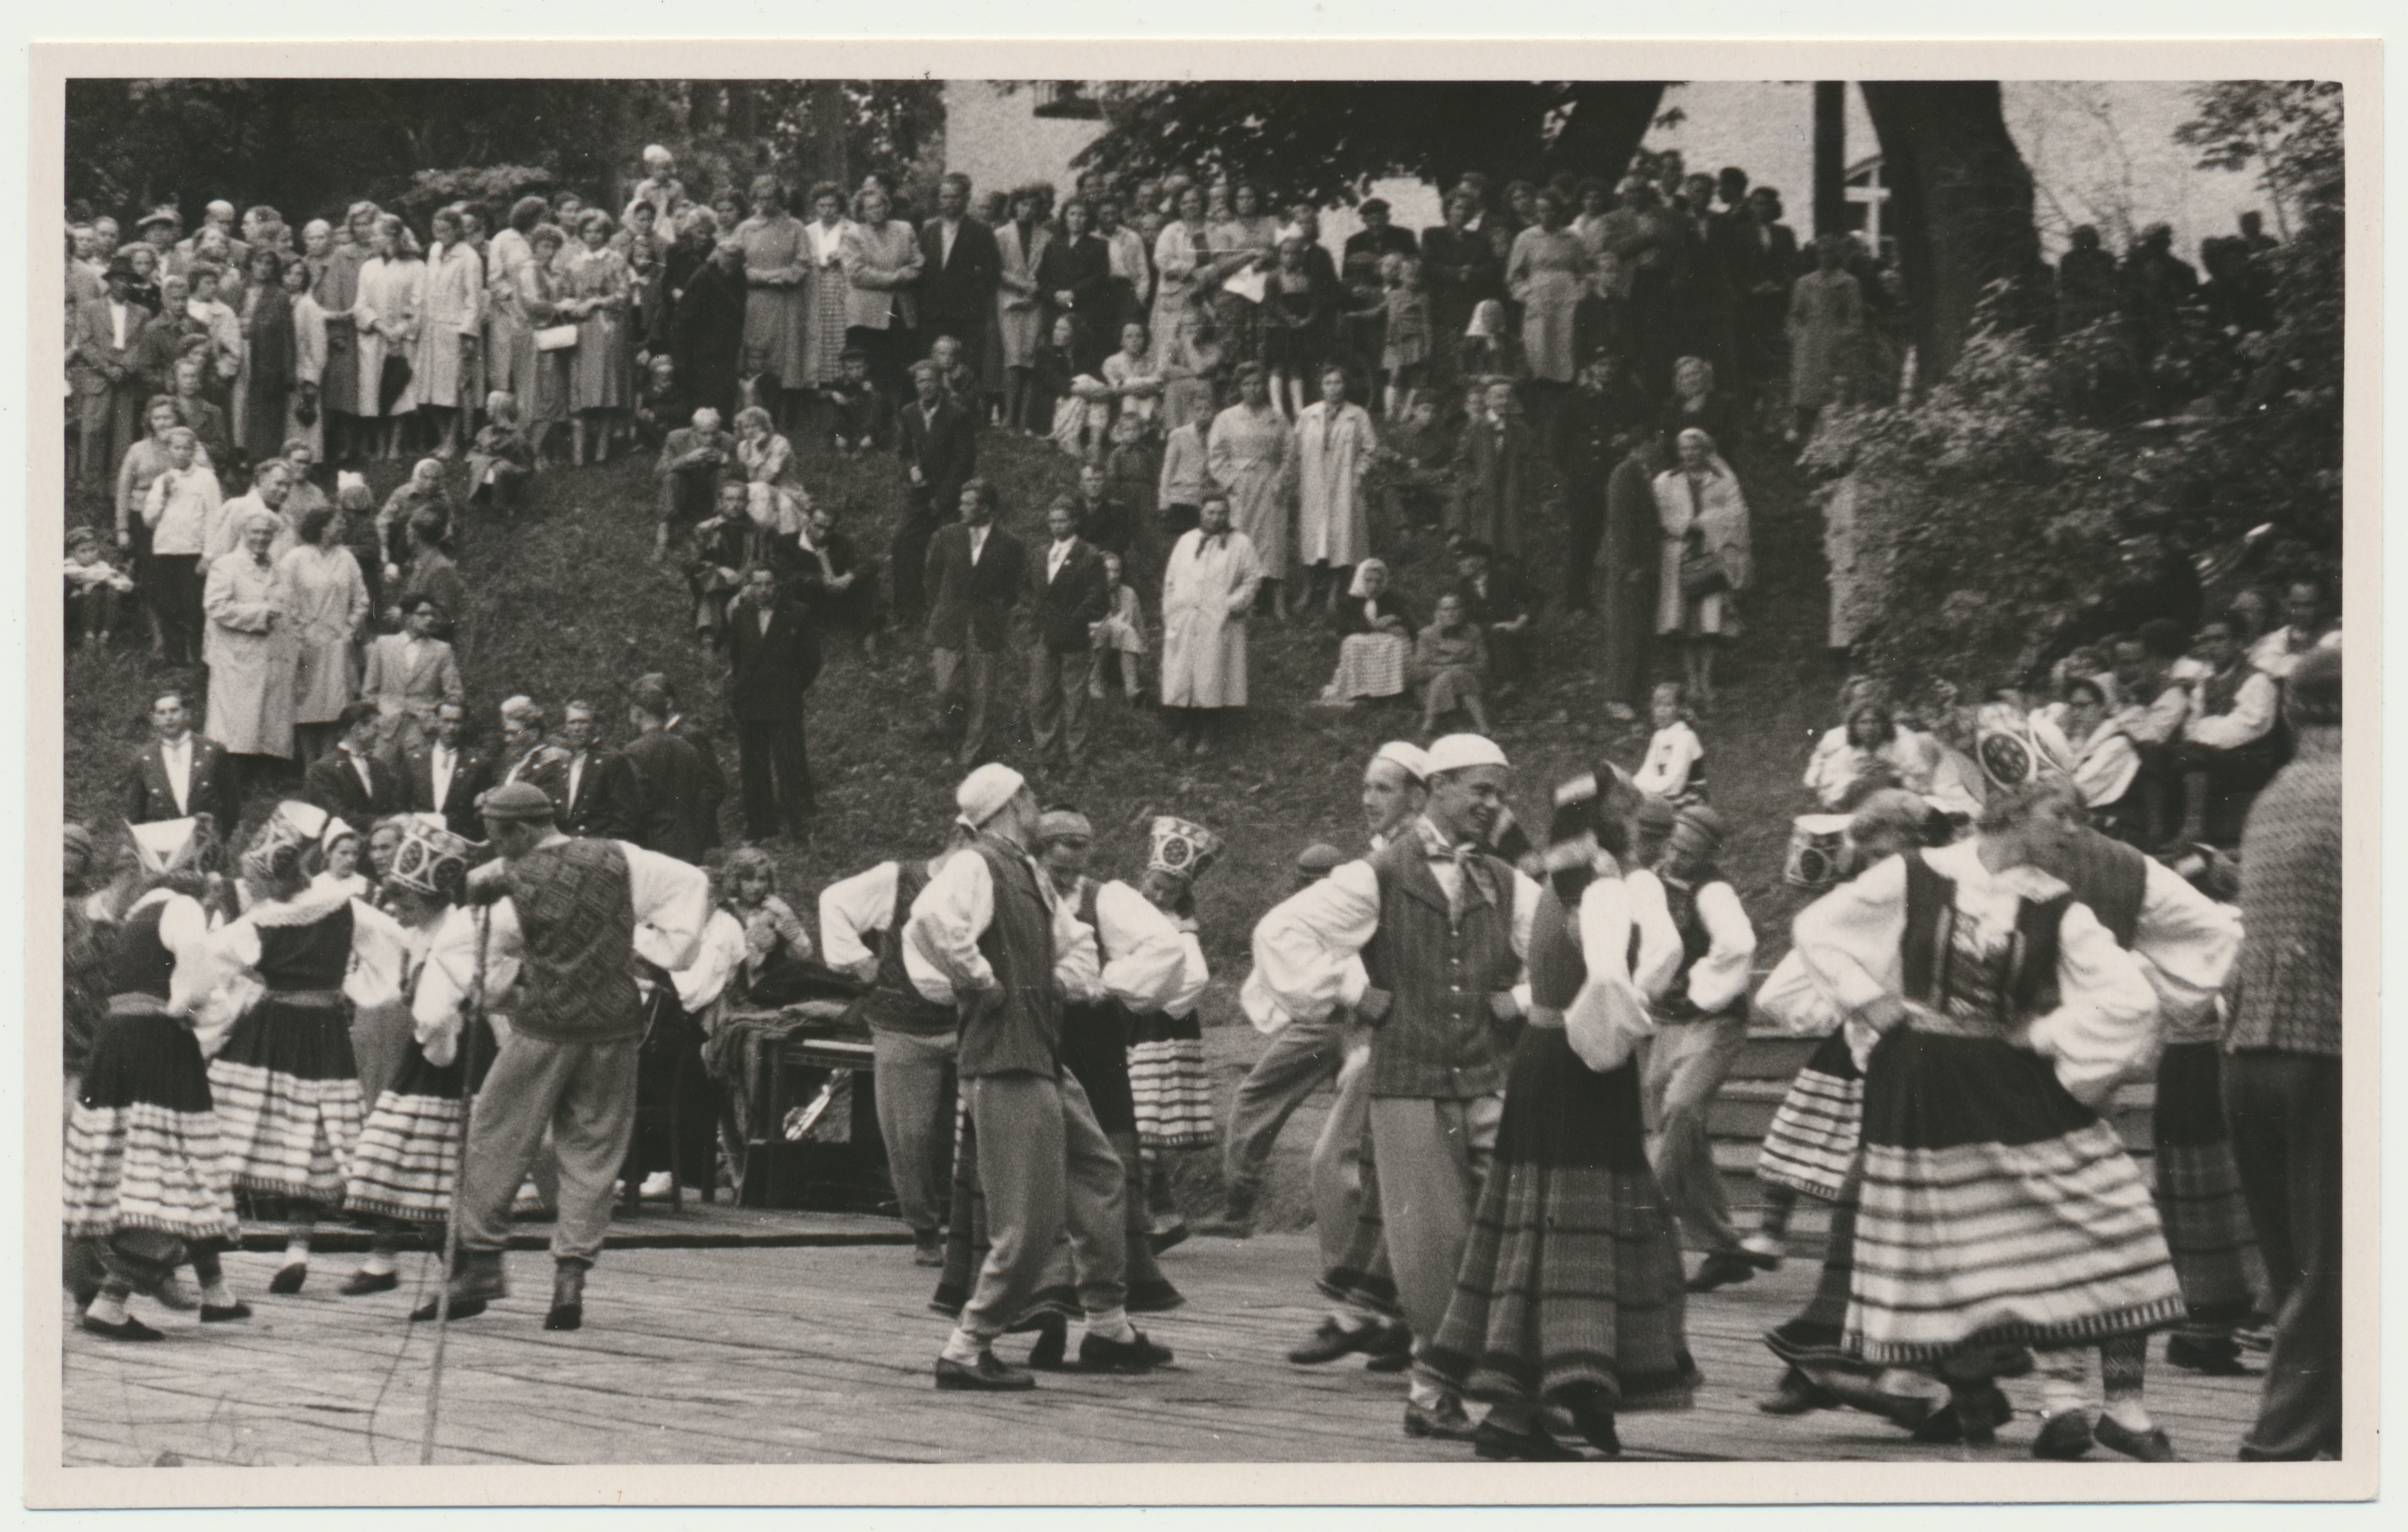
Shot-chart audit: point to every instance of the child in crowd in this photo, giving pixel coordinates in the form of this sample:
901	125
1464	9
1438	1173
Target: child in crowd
1675	767
1490	346
863	414
756	386
1049	386
1133	469
1122	632
1296	326
93	586
1451	666
1180	491
1405	343
501	458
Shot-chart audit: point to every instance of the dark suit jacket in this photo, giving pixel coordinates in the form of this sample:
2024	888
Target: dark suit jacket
470	775
333	785
772	669
1063	606
663	794
596	810
945	450
958	293
970	604
714	782
211	789
1109	523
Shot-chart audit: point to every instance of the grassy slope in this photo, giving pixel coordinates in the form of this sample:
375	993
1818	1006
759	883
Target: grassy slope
567	604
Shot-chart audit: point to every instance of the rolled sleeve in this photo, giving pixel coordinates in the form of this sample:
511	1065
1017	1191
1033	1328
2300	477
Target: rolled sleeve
1717	980
862	902
672	900
1148	970
941	951
1302	946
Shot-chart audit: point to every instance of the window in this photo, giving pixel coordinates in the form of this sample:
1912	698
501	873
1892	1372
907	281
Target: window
1066	98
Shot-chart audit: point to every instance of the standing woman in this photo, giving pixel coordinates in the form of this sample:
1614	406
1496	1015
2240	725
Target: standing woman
270	358
329	603
881	261
1182	251
1827	328
1020	308
1169	1089
778	265
1462	271
337	288
829	299
391	299
509	333
141	466
1075	279
287	1084
1707	558
450	328
248	649
304	410
539	300
1335	444
1547	274
595	286
1246	240
1249	450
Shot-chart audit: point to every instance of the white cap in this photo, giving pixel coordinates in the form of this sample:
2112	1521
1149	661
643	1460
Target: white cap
1457	752
1414	760
986	793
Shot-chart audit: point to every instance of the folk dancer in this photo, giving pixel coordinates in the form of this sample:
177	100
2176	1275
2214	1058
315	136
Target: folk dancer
1169	1087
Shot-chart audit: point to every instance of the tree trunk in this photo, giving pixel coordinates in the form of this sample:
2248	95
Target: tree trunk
1830	156
1608	121
1960	199
739	109
831	133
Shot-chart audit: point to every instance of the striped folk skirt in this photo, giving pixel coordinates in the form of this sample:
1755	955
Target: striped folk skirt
288	1098
408	1157
143	1152
1168	1085
1570	1288
2198	1195
1997	1209
1812	1143
1363	1278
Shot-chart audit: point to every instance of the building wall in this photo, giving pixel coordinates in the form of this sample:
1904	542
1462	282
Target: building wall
994	137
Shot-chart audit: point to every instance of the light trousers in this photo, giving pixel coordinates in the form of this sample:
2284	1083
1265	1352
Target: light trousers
1433	1156
1338	1157
1045	1167
586	1094
1302	1056
916	1119
1686	1064
966	680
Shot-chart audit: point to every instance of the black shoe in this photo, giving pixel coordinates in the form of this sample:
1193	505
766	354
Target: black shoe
1446	1421
288	1280
1596	1425
2218	1357
1498	1445
2149	1446
987	1375
1392	1352
128	1328
360	1283
461	1308
2063	1436
565	1316
927	1248
83	1295
1137	1354
223	1313
1722	1269
1053	1342
568	1311
1331	1340
1797	1395
1165	1238
1156	1297
1972	1418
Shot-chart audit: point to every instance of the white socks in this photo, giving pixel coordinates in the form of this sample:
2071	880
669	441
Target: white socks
379	1263
1420	1391
1111	1325
217	1294
2057	1395
964	1347
296	1251
108	1308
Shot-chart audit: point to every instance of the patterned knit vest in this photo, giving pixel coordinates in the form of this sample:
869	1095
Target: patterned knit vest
1020	1030
1439	1042
577	925
2025	983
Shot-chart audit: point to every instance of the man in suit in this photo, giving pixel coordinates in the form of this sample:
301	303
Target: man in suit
692	730
661	786
580	780
693	460
352	781
958	272
1065	594
973	576
408	674
178	773
444	775
775	657
938	445
103	365
1767	266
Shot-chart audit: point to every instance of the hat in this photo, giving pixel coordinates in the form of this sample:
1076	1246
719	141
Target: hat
1182	849
431	859
986	793
1657	816
161	215
120	265
1410	757
302	826
1461	751
1063	824
516	803
1319	859
1701	823
163	845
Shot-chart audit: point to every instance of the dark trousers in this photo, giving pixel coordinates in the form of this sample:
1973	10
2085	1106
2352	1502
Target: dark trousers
2285	1114
777	775
1584	529
175	586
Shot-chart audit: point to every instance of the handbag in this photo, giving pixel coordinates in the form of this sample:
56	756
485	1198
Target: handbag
393	382
555	337
1702	572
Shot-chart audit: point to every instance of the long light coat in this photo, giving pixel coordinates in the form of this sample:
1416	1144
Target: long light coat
248	650
1333	447
1206	594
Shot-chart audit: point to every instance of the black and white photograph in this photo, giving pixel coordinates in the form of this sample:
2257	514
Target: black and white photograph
1223	766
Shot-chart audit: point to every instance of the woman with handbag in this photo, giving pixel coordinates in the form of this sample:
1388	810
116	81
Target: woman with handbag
391	297
1707	558
553	342
596	288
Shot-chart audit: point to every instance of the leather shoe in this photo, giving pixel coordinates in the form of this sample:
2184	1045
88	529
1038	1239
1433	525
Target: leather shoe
1494	1443
1596	1425
927	1248
128	1328
1053	1342
461	1308
360	1283
1721	1269
222	1313
1445	1421
1392	1352
1796	1394
2217	1358
1331	1340
568	1311
1165	1238
1972	1418
2149	1446
1134	1355
2063	1436
288	1280
987	1375
1153	1296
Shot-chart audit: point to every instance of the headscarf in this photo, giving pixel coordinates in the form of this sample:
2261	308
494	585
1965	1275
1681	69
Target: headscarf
1364	566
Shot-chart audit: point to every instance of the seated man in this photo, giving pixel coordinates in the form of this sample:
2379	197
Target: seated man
865	417
2304	631
1105	520
692	462
1499	600
2232	743
2150	707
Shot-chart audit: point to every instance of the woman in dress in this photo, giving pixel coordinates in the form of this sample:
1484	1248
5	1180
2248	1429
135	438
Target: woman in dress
391	289
774	492
1547	274
450	332
829	299
1570	1292
1074	277
1867	752
335	284
148	1183
881	259
1377	640
1450	664
780	274
509	330
305	408
1335	445
596	285
1704	517
1249	450
1019	309
539	299
406	1159
271	357
1827	329
1999	1209
248	647
1169	1089
329	603
1463	270
287	1084
1182	251
1697	405
1245	241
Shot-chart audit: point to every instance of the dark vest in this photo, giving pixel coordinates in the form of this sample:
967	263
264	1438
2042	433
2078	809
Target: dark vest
306	957
1681	900
577	925
1440	1040
1019	1029
893	1003
2027	984
1558	968
143	964
2108	876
